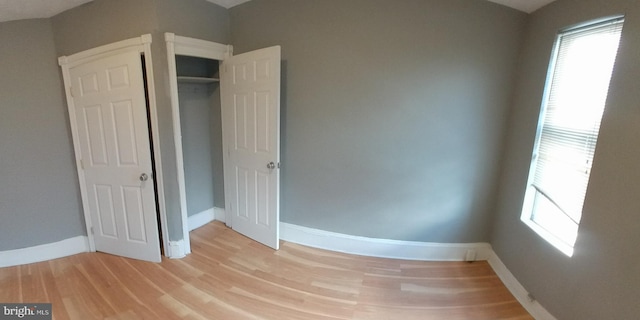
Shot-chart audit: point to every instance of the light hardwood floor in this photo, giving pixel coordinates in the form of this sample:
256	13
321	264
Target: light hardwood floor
231	277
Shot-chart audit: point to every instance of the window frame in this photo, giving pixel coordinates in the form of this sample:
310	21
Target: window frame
528	207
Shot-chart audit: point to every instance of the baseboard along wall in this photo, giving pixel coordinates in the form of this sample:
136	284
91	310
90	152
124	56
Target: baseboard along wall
410	250
44	252
383	248
517	290
177	249
201	218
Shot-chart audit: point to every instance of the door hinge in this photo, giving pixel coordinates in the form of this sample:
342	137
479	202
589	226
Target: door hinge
72	91
92	230
81	164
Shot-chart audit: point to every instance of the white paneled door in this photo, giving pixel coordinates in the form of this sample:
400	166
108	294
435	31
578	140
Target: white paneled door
110	110
250	87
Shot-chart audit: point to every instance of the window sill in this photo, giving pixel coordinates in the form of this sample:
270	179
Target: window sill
549	237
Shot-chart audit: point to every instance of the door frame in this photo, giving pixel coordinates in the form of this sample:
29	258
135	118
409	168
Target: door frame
185	46
142	45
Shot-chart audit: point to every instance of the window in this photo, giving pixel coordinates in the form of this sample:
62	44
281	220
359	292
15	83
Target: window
572	107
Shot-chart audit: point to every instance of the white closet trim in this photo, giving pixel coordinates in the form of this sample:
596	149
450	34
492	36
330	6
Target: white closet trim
184	46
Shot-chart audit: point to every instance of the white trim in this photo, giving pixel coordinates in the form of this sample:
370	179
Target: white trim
185	46
143	45
220	214
385	248
105	50
178	45
66	77
177	137
44	252
542	232
201	218
176	249
155	136
519	292
411	250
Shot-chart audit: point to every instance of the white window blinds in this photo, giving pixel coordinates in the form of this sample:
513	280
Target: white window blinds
575	97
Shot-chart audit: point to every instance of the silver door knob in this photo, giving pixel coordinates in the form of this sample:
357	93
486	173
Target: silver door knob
144	177
271	165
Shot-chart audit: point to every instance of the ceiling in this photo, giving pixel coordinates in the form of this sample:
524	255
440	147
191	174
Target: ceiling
527	6
30	9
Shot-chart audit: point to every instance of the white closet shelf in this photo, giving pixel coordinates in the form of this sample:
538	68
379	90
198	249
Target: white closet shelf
197	79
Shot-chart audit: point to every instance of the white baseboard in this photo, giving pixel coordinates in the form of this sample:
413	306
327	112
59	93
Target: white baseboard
177	250
200	219
385	248
220	214
411	250
519	292
44	252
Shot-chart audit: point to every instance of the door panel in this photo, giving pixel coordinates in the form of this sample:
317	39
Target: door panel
111	116
127	154
106	213
250	88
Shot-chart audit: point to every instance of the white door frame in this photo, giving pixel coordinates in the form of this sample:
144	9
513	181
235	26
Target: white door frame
185	46
143	45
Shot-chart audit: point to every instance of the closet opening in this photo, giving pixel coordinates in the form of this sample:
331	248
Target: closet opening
201	134
243	103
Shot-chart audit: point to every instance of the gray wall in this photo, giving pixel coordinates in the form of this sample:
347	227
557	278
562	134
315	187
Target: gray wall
601	280
201	20
105	21
31	47
216	148
194	18
393	112
201	126
102	22
202	146
195	119
392	119
39	194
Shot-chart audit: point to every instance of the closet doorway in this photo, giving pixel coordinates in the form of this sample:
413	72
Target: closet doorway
195	102
226	110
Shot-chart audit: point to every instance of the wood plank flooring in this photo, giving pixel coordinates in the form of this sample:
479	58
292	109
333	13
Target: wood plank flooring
231	277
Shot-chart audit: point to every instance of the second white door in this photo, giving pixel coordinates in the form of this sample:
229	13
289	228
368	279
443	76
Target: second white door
250	92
